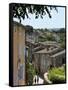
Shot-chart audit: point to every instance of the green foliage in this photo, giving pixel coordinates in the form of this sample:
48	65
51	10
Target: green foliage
30	70
62	30
62	45
46	37
30	73
57	75
22	10
50	37
62	40
41	39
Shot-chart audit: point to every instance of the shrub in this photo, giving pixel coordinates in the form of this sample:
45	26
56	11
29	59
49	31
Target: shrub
57	75
30	73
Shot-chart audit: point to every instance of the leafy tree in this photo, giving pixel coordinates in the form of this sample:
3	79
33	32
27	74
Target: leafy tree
42	39
46	37
50	37
22	10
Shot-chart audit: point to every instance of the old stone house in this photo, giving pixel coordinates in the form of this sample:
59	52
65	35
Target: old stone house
45	59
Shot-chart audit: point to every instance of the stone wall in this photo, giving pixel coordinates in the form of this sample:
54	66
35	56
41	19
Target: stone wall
18	54
42	62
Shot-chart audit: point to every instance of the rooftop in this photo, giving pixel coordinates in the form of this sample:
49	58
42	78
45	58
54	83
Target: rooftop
47	51
50	43
59	53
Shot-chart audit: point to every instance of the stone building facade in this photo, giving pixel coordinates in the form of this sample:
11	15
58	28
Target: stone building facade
44	60
18	54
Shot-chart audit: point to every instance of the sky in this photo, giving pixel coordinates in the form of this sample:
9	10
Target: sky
57	20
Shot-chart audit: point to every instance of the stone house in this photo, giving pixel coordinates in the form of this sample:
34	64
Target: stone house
45	59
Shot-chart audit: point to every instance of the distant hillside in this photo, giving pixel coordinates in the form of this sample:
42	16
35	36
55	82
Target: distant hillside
59	30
